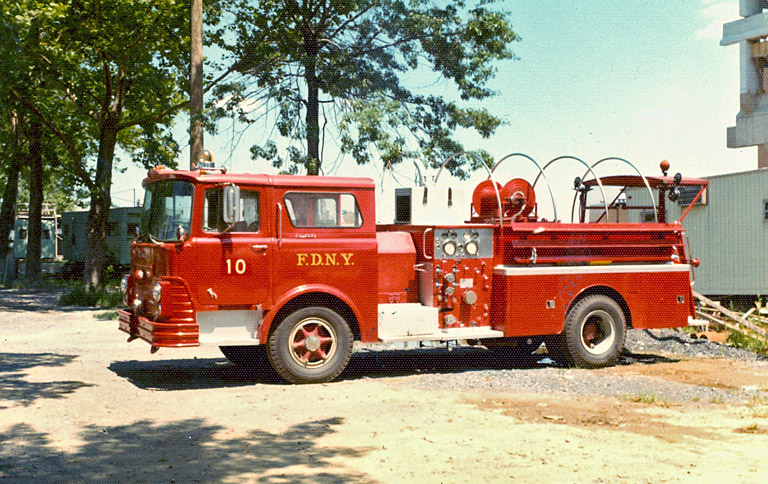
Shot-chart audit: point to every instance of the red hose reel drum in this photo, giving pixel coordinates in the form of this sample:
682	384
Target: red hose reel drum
484	199
518	198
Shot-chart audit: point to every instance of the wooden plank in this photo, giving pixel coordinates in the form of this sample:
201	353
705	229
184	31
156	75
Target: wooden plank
731	314
731	326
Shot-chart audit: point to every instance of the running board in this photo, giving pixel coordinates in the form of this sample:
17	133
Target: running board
448	334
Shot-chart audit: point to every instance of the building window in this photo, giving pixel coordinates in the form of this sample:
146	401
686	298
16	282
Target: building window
765	210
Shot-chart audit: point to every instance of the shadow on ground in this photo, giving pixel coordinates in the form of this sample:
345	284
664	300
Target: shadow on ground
184	451
13	378
185	374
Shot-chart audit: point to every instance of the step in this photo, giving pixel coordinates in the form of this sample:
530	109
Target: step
448	334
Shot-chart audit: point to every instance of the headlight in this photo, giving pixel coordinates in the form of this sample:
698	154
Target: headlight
124	284
471	248
449	248
156	291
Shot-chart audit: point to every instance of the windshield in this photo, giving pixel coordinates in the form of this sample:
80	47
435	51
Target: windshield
167	205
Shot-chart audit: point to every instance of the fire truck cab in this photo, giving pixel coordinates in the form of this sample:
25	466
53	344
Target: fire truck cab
296	267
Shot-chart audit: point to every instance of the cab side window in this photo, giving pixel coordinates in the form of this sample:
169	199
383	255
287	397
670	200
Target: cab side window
249	212
332	210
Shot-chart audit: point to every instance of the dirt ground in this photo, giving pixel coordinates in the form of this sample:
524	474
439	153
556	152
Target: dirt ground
79	404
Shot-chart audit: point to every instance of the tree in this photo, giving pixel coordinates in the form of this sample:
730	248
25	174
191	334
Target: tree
28	145
120	68
352	62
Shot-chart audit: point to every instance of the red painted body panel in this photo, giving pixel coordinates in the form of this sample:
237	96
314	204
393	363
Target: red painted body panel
520	299
396	259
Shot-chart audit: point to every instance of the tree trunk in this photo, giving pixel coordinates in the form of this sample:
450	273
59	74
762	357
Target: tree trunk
96	227
196	85
10	195
313	119
33	273
8	210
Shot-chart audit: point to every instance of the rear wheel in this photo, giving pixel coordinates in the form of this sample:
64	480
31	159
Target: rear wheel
593	334
311	345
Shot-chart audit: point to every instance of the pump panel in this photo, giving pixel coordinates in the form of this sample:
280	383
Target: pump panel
463	243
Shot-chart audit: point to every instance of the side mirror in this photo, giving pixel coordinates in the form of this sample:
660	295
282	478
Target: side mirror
231	204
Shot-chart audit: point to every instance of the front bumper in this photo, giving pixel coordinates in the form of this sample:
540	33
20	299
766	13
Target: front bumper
176	333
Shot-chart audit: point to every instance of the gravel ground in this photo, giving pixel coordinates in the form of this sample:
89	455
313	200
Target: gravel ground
476	370
680	344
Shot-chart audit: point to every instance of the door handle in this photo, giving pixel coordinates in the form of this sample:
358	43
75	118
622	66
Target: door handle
259	247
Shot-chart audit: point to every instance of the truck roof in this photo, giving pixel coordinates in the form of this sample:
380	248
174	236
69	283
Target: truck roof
296	181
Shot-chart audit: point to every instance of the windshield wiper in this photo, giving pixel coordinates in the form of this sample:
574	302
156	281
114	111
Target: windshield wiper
148	237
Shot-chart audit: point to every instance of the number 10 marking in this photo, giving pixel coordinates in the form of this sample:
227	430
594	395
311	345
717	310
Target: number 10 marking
239	266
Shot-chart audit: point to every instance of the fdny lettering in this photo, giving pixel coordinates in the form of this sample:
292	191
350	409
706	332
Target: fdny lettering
327	259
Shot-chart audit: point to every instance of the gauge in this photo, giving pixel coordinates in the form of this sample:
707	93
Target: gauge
475	235
471	248
449	248
453	235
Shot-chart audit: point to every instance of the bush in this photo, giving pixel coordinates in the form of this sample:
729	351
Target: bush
748	343
103	297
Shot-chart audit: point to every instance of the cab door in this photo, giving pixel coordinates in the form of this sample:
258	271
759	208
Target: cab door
233	261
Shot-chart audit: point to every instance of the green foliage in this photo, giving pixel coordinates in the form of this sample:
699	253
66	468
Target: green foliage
351	64
103	297
98	74
745	342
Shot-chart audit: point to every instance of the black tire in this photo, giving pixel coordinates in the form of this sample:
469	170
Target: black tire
311	345
246	356
519	350
593	334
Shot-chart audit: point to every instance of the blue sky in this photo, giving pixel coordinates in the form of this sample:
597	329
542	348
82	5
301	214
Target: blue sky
642	80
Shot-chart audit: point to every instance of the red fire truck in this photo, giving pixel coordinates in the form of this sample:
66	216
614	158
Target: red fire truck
296	267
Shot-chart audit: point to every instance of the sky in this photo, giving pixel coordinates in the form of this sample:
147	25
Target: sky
641	80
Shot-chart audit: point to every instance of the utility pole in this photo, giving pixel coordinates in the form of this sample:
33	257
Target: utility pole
196	84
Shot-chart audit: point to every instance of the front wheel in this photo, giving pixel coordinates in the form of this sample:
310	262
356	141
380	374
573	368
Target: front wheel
311	345
593	334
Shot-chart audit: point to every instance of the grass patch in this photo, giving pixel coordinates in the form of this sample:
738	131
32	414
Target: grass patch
107	316
744	342
649	399
102	297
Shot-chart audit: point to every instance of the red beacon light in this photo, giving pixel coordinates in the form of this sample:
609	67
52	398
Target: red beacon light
664	165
